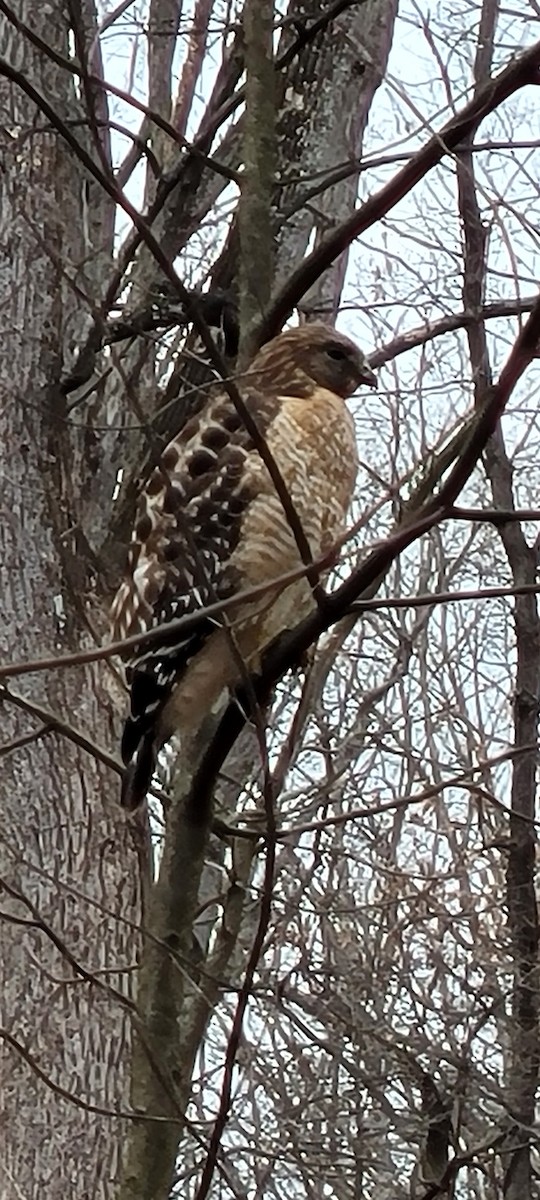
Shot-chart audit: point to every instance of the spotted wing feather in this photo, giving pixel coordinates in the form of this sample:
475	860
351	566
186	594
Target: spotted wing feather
188	525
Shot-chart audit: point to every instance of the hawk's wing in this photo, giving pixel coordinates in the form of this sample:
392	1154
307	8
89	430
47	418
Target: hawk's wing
188	525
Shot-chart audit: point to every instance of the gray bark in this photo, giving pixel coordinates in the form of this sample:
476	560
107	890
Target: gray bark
68	864
325	109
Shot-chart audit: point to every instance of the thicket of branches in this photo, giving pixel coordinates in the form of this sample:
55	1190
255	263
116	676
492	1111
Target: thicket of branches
313	970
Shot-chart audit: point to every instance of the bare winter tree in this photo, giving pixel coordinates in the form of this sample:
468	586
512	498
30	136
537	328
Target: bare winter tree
311	966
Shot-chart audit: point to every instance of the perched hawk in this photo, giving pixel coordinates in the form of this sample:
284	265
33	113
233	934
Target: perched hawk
211	524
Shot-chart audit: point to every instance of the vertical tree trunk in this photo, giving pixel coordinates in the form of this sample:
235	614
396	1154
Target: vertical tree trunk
68	866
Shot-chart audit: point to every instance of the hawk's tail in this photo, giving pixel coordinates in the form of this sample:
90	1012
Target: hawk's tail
138	774
140	739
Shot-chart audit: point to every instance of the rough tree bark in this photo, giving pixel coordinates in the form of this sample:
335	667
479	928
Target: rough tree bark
69	866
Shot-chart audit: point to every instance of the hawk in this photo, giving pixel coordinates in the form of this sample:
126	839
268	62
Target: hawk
211	524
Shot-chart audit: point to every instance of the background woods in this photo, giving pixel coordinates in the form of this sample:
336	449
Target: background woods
336	993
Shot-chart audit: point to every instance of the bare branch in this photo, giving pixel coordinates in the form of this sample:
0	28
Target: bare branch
448	324
255	221
193	64
521	72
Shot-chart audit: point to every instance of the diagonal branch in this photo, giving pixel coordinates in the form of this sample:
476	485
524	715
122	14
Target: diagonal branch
521	72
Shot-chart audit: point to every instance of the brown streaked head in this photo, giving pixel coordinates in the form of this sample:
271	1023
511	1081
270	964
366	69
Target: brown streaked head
313	354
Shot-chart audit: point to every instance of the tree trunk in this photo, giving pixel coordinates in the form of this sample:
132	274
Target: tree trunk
69	866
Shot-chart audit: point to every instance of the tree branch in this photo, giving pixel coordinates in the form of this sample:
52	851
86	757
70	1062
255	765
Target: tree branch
521	72
255	223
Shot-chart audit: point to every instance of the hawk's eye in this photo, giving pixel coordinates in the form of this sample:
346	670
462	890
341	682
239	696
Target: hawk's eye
337	353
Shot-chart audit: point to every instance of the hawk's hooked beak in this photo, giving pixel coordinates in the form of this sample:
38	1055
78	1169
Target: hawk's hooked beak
367	377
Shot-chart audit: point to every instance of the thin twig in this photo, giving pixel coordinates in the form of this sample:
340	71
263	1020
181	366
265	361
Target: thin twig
56	724
182	625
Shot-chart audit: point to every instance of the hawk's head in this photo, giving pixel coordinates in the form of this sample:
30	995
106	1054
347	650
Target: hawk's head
313	355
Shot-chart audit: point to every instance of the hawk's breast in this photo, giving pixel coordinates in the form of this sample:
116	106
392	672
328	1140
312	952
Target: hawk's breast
314	446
